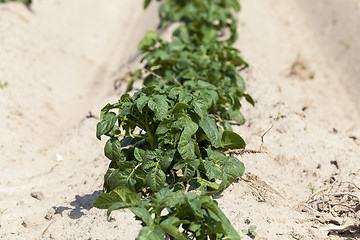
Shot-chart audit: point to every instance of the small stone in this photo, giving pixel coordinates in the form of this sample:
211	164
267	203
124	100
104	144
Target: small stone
59	158
50	214
37	195
24	223
27	223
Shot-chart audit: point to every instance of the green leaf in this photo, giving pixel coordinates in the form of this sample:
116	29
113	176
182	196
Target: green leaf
105	200
148	164
212	171
233	168
148	41
206	85
107	108
141	102
126	195
252	228
183	63
156	179
205	183
208	125
152	232
125	111
175	221
160	106
179	107
200	107
194	226
249	99
114	178
186	148
163	127
139	154
236	116
238	61
161	199
117	206
185	97
188	172
186	145
150	155
231	140
226	125
129	141
179	165
240	82
194	203
146	3
176	45
113	149
167	158
143	214
210	204
136	180
105	125
173	231
189	169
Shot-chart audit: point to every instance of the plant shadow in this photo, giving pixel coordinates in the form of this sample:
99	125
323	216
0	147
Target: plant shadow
348	235
80	205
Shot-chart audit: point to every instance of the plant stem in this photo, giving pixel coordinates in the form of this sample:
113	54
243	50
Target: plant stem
132	172
148	132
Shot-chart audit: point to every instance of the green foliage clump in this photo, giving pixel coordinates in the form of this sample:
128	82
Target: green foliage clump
203	18
166	130
171	136
27	2
187	216
182	62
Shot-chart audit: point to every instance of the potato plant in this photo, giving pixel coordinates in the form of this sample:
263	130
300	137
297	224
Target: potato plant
203	19
167	141
170	138
182	62
188	216
27	2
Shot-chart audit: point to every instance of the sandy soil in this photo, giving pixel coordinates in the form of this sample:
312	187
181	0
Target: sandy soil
65	59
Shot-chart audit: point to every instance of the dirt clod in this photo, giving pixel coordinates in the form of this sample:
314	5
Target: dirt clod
37	195
50	214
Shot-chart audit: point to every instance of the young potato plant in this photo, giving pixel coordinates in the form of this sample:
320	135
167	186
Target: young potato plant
182	62
168	137
204	19
172	213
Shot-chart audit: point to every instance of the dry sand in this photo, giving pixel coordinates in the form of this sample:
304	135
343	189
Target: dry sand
63	60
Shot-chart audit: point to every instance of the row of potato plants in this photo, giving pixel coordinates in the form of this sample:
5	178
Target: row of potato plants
167	141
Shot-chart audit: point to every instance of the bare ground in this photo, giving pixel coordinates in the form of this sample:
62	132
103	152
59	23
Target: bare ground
62	61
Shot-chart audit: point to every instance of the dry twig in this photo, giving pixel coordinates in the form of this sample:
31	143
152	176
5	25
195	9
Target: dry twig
333	205
263	135
156	75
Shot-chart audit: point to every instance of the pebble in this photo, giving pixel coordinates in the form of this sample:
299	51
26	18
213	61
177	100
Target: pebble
27	223
50	214
37	195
